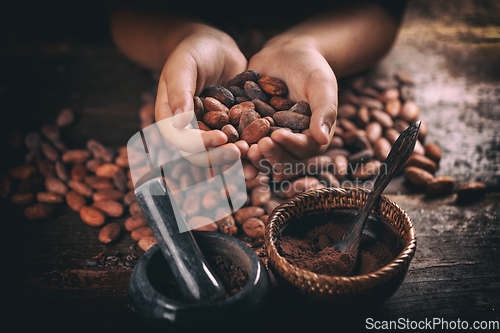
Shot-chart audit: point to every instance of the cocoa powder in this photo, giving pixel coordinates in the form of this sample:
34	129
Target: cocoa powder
311	253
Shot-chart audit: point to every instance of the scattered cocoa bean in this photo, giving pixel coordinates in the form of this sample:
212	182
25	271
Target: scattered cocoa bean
254	227
145	243
417	176
135	222
109	233
92	216
439	186
39	211
109	207
50	197
75	201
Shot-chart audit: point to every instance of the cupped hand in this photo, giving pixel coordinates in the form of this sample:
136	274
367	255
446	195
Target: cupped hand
309	77
206	57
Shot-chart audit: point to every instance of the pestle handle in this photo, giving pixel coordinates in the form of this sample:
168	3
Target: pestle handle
196	281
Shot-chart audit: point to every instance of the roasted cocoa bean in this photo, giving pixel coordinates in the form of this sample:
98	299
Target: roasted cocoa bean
109	233
273	86
141	232
255	131
145	243
216	119
101	195
80	188
135	222
422	162
65	118
50	197
22	198
75	201
292	120
417	176
280	103
211	104
439	186
471	192
254	227
219	93
253	91
92	216
264	109
240	79
301	107
75	156
433	152
231	133
110	207
39	211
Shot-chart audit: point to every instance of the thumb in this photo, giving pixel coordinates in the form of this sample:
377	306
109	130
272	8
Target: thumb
323	100
180	75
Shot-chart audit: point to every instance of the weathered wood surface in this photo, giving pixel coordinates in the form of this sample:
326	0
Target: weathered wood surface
455	273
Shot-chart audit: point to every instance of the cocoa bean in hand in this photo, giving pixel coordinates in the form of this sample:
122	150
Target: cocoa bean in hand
292	120
240	79
216	119
253	91
280	103
211	104
301	107
219	93
273	86
231	133
255	131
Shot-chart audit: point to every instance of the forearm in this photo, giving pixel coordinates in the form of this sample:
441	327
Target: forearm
150	37
351	39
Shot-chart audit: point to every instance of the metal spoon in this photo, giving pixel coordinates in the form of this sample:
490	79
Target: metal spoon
399	154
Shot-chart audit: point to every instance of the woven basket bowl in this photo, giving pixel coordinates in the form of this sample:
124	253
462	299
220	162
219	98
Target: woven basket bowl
372	288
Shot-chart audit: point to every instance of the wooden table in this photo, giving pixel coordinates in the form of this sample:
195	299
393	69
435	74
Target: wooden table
452	51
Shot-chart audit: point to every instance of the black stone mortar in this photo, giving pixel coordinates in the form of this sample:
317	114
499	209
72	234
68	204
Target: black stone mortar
163	312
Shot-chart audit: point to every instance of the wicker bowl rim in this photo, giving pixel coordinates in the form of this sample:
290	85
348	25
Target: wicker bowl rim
334	198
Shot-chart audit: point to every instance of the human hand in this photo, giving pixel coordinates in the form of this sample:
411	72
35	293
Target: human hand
204	58
309	77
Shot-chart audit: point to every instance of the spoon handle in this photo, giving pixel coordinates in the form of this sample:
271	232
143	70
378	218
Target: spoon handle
397	158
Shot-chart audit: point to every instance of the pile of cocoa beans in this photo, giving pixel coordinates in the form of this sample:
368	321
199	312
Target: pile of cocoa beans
251	108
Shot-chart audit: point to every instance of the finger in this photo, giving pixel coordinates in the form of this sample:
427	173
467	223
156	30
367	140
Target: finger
301	145
249	170
180	75
281	160
243	147
322	96
225	154
257	159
